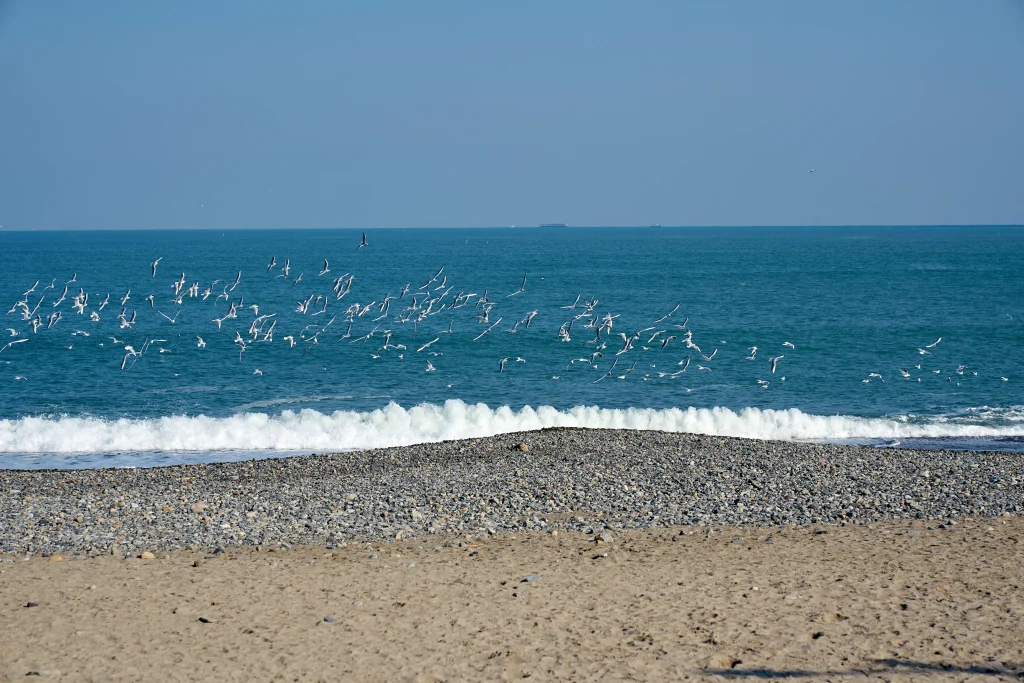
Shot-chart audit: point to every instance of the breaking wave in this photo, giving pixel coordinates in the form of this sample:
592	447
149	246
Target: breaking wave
393	425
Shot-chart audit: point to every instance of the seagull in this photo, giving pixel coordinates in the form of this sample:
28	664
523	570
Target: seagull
273	262
430	367
775	361
427	344
238	278
14	332
669	314
150	300
127	295
932	345
573	304
12	343
905	373
325	270
501	364
31	289
522	288
789	344
365	244
200	343
924	352
154	265
257	371
875	374
753	353
291	340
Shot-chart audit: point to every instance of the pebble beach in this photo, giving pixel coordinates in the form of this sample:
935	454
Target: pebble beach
555	479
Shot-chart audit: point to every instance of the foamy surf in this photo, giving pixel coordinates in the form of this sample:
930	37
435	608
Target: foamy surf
310	430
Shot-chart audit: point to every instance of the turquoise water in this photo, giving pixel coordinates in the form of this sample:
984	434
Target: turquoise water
852	301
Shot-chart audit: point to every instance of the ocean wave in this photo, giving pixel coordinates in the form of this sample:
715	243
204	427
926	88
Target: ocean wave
393	425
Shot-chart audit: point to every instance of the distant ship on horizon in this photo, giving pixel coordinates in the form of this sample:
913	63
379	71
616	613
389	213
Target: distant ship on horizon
553	225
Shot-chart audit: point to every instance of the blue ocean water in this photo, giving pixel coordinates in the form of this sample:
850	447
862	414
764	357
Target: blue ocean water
857	305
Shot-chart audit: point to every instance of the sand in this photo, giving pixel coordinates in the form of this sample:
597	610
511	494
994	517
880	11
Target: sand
817	603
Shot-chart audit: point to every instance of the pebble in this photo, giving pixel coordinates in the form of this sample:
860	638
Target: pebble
147	556
330	620
531	578
568	479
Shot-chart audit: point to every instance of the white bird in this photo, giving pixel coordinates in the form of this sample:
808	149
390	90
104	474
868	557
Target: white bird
789	344
522	288
932	345
291	340
573	304
325	270
257	371
365	244
200	343
127	295
875	374
753	353
775	361
14	332
905	373
12	343
501	364
427	344
273	262
430	367
154	265
924	352
669	314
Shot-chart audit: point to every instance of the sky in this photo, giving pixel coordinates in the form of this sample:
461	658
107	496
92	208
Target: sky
266	114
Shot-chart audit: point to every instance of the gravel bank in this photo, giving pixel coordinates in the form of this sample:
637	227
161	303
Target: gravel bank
551	479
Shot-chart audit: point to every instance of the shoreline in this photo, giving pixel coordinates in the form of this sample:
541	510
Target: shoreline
559	478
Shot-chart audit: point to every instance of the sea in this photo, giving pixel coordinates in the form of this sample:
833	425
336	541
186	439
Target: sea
879	336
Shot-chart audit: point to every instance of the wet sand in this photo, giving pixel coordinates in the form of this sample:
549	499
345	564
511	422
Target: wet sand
890	601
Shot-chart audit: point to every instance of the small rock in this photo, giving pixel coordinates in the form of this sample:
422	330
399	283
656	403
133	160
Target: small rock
207	620
147	556
31	604
738	539
198	507
523	447
56	558
91	587
197	562
531	578
357	603
330	620
603	537
599	556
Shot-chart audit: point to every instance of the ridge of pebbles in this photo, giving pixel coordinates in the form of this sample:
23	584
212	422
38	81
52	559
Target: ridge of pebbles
560	478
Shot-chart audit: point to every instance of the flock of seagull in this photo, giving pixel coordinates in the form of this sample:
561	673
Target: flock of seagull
330	314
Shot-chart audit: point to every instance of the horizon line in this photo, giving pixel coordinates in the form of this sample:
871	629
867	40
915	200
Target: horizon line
532	227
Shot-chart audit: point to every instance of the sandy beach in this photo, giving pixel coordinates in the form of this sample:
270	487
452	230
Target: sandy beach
894	601
554	555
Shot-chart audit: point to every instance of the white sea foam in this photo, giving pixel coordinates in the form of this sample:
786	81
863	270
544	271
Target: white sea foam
310	430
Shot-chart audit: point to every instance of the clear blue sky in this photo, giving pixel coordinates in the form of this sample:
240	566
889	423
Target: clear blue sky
352	114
